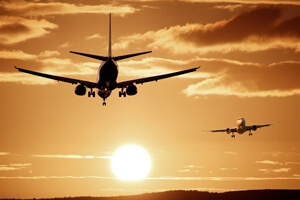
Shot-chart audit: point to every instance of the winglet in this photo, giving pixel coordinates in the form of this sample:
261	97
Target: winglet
16	67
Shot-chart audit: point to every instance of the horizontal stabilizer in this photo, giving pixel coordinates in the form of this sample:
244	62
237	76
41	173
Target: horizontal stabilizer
103	58
129	55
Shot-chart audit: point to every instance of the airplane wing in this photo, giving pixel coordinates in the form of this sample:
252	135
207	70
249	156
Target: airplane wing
154	78
254	127
222	130
59	78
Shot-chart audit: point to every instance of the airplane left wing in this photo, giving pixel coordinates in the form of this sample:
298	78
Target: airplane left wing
254	127
154	78
230	130
59	78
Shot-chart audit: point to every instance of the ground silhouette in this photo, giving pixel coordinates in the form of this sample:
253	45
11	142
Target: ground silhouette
191	195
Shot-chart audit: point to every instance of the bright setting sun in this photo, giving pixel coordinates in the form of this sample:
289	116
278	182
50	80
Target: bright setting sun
131	162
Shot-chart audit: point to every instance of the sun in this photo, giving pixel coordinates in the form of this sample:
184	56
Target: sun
131	162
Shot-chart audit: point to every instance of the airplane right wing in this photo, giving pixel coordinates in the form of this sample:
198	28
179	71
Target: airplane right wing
154	78
228	130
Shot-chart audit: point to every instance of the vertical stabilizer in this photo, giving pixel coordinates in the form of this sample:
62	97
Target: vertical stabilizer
109	42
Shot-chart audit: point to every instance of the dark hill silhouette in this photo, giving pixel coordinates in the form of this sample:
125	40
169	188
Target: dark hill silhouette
192	195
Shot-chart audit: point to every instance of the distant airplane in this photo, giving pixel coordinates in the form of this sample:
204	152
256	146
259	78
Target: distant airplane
107	75
240	128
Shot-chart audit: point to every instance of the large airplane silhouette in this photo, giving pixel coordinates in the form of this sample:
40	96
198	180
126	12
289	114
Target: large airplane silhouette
107	75
240	128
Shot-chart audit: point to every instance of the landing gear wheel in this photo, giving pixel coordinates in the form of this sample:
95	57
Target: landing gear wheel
233	136
122	93
91	93
104	104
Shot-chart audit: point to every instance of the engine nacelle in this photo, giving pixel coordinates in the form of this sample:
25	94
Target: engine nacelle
228	130
254	128
80	90
131	90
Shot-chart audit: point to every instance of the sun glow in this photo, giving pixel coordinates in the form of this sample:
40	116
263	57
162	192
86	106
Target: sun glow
131	162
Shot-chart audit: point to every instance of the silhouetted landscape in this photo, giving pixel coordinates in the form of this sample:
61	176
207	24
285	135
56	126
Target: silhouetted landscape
190	195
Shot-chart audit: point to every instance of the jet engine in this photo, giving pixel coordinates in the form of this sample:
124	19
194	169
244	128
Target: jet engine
131	90
228	130
254	128
80	90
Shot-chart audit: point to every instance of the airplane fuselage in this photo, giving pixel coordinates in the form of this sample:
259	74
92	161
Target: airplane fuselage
241	125
107	77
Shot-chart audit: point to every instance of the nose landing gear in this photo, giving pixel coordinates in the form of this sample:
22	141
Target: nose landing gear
104	103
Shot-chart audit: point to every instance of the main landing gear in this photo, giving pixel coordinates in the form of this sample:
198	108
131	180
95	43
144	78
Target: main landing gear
122	93
91	93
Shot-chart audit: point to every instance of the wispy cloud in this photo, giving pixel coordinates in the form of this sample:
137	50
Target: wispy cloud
227	169
279	170
269	162
72	156
163	178
225	86
95	36
37	9
4	153
14	166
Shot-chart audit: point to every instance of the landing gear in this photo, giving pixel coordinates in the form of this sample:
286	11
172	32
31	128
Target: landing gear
122	93
104	103
250	134
91	93
232	136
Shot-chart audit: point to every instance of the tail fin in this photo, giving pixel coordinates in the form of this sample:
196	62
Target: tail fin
103	58
109	42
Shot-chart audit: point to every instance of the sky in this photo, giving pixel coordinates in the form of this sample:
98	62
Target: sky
55	144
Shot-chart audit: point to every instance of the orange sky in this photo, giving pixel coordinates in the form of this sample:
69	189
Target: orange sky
54	143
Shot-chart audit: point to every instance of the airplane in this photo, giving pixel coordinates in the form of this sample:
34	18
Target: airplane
240	128
107	75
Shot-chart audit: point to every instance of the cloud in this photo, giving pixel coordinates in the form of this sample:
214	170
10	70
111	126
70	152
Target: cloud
152	66
251	2
18	29
228	169
230	7
37	9
15	166
72	156
226	86
95	36
223	178
259	29
280	170
65	45
269	162
22	20
4	153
